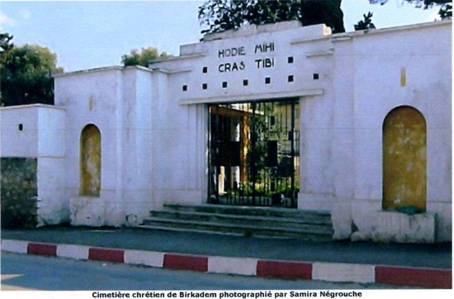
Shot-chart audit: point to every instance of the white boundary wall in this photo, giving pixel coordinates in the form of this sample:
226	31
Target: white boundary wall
153	121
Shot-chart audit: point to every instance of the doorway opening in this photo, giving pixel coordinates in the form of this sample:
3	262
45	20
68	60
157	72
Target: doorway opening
254	153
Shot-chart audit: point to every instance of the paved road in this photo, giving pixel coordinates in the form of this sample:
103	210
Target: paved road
25	272
416	255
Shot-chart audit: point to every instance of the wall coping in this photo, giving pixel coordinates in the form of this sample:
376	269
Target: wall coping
103	69
30	106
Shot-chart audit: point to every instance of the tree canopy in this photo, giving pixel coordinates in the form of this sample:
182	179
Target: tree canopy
26	73
142	57
5	43
366	23
220	15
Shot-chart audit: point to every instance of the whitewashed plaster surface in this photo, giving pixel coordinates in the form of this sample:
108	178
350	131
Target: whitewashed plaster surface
41	137
154	133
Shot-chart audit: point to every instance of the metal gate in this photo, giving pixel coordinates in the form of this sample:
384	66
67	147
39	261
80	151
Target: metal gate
254	153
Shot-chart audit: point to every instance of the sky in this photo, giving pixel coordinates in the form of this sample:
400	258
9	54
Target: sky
95	34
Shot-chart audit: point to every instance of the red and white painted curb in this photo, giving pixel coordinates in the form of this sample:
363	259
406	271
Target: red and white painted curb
334	272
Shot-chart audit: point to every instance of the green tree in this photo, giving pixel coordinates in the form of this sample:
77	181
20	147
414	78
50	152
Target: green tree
445	11
26	74
142	57
366	23
5	44
221	15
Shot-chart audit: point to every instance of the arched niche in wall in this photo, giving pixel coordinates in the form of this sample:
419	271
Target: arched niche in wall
90	161
404	159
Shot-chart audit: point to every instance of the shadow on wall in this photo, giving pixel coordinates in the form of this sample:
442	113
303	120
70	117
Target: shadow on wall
19	192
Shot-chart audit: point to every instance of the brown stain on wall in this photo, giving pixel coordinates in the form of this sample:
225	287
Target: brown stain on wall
404	159
90	163
403	77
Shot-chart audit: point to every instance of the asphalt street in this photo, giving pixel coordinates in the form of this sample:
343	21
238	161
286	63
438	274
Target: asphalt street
26	272
413	255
